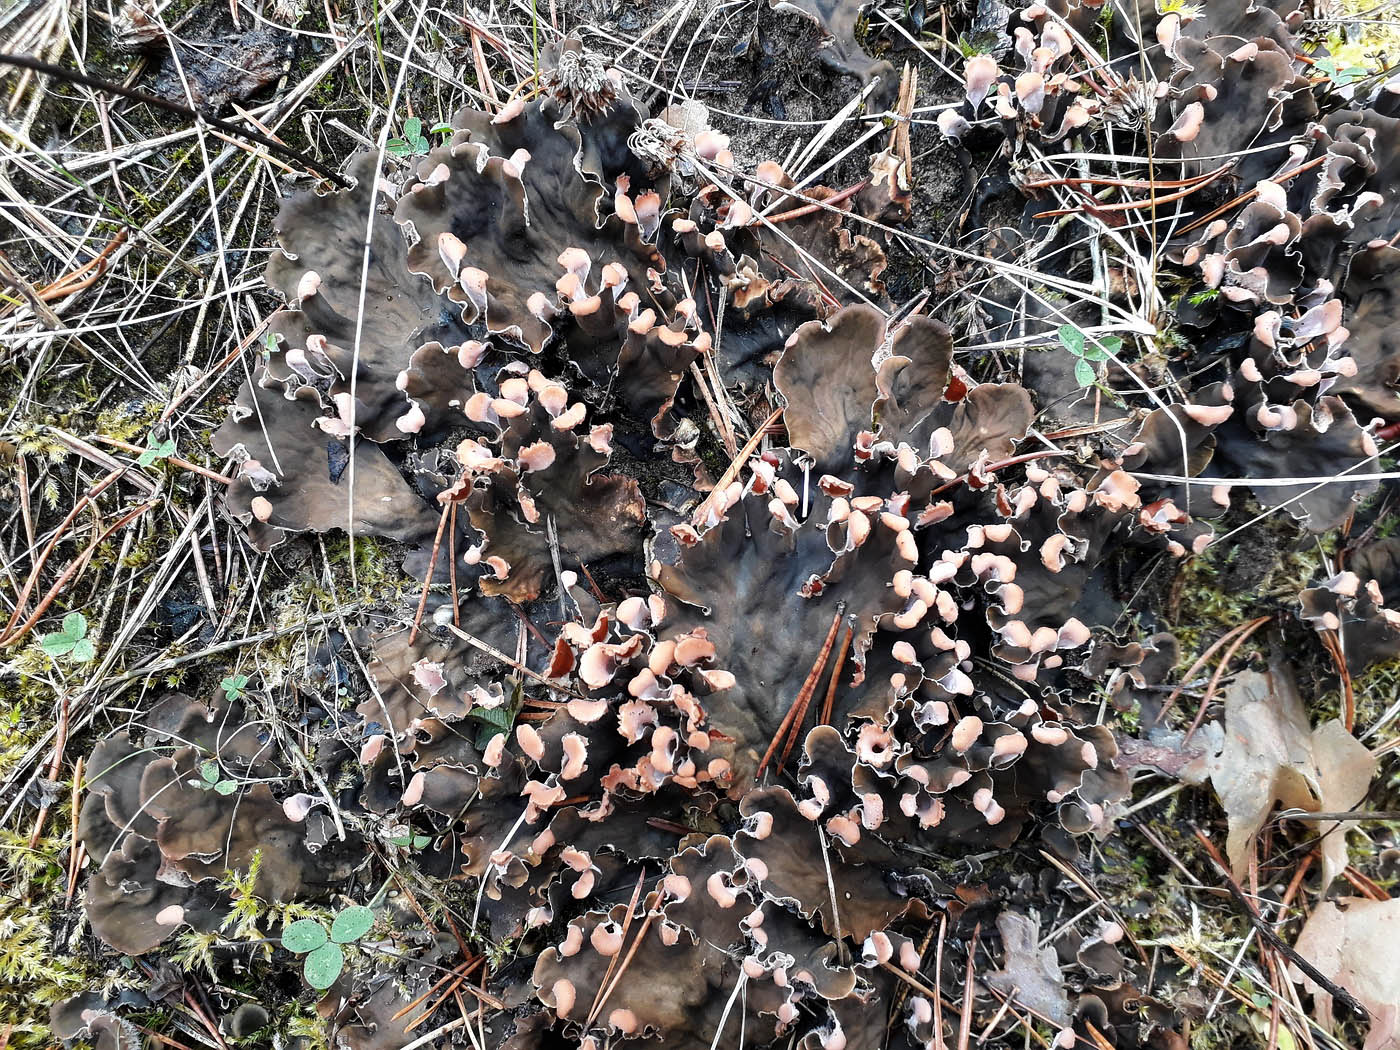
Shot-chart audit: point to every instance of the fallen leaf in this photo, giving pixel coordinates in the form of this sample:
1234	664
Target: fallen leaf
1029	974
1271	754
1358	947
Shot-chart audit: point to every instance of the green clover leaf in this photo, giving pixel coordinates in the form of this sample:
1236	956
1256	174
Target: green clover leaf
494	720
1072	339
57	644
154	451
351	924
413	140
1340	76
1100	349
234	685
72	641
304	935
226	787
1084	373
209	772
323	966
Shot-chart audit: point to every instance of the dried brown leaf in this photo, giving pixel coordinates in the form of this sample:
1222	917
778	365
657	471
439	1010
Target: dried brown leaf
1272	754
1358	947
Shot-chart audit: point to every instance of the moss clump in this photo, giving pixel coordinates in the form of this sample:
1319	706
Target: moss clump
1227	586
1360	38
128	422
1374	692
38	964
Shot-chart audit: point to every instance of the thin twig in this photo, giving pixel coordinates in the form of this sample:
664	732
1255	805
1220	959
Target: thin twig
1266	933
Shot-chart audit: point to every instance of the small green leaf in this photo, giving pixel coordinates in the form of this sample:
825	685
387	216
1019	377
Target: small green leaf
494	720
412	128
1072	339
419	841
234	685
304	935
398	147
1099	349
1084	373
158	450
442	129
1339	76
323	966
226	787
209	771
71	640
57	644
351	924
420	145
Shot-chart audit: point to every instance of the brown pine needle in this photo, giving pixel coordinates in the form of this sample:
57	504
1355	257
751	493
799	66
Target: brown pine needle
1249	629
965	1021
459	972
1333	644
808	209
938	1041
432	1008
1200	662
428	576
626	962
836	675
804	695
809	688
1250	195
603	986
732	471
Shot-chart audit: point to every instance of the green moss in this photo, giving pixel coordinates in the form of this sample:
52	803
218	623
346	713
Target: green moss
1373	40
32	976
377	577
128	422
1374	692
1223	588
39	965
301	1022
